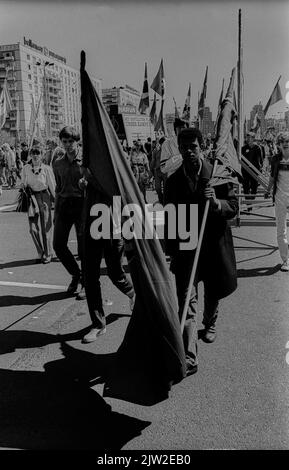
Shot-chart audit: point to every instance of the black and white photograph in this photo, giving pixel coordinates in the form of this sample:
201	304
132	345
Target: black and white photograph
144	264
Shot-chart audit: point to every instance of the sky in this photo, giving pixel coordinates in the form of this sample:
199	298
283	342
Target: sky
120	36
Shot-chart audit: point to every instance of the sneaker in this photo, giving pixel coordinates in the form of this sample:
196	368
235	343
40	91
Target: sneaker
93	334
285	266
46	259
131	302
81	294
209	334
73	286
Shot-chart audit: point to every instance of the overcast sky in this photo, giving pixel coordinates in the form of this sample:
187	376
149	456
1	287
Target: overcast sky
119	36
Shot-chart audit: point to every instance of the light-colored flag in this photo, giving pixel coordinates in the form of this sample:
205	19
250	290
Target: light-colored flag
276	96
5	104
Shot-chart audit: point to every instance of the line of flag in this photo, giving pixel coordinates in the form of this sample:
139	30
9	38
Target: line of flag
145	100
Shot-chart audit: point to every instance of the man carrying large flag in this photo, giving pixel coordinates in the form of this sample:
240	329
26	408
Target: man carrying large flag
213	260
152	346
145	100
275	96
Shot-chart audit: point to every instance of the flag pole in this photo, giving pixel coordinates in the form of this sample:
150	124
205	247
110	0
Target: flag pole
240	87
197	255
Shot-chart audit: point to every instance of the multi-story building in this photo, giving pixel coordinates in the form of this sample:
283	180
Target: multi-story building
37	75
121	96
207	126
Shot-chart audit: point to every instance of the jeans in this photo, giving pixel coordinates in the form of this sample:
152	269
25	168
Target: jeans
68	212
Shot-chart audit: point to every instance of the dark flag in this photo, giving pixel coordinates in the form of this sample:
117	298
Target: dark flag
177	115
144	101
229	167
160	125
152	350
153	114
187	107
158	84
201	104
275	96
219	106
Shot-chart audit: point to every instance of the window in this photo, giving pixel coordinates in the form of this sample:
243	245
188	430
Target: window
28	57
29	76
29	67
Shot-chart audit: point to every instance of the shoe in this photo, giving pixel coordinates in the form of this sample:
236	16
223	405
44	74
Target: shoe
46	259
72	288
209	334
285	266
81	294
132	302
93	334
191	369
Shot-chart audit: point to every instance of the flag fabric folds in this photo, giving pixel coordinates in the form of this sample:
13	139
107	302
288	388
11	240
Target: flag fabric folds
153	341
5	104
202	99
229	167
160	125
144	101
186	116
177	115
158	84
275	96
219	106
153	114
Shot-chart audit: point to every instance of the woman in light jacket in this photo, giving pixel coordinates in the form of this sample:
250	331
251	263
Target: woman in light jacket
39	182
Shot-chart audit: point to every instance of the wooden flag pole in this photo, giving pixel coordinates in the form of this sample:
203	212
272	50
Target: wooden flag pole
196	259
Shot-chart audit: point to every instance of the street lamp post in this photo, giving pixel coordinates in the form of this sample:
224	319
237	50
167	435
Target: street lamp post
46	104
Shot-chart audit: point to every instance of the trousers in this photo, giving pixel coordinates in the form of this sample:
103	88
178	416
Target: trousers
68	212
40	226
182	267
281	210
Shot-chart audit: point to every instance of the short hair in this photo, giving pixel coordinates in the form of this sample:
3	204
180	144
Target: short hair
69	132
191	133
180	123
250	134
284	135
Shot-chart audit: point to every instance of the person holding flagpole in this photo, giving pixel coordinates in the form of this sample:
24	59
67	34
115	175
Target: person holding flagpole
217	264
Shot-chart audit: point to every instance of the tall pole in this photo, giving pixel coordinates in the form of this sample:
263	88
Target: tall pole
240	87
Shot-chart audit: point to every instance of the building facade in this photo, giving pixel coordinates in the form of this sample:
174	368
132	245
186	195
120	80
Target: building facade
207	126
121	96
39	78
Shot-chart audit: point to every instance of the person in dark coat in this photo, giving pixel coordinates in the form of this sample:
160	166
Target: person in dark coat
217	263
252	152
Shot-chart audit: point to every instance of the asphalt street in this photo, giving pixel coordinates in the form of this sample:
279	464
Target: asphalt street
51	395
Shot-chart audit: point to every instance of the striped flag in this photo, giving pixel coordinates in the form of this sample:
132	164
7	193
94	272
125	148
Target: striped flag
186	116
275	96
144	101
5	104
225	151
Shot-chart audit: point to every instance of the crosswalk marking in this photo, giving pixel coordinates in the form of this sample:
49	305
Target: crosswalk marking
30	284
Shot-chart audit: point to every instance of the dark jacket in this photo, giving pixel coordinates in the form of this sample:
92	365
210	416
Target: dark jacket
217	263
275	166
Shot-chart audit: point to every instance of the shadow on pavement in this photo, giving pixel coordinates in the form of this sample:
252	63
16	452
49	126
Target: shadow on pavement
23	339
122	380
9	300
261	271
21	262
39	411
